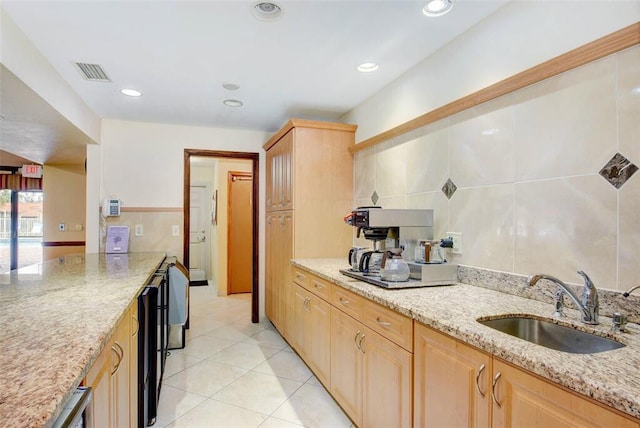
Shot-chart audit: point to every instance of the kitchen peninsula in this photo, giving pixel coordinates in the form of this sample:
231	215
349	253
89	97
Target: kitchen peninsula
56	318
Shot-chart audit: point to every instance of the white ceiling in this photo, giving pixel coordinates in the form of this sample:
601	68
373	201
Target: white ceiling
179	53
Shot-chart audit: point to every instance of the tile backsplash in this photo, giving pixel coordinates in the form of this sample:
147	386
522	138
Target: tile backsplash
529	196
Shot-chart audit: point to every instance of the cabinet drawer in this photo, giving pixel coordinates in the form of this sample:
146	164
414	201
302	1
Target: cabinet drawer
301	278
390	324
347	302
319	287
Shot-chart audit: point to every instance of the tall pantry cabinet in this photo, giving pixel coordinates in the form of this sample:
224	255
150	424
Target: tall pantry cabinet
309	189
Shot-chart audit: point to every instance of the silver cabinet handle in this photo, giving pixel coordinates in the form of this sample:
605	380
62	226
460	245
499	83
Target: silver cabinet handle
355	339
120	355
306	303
493	389
480	370
137	325
383	323
360	344
318	285
344	301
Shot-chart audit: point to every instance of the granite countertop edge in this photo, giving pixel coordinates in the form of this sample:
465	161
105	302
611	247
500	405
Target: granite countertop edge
454	310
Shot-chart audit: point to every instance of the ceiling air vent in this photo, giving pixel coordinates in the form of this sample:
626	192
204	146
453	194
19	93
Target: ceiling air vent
92	72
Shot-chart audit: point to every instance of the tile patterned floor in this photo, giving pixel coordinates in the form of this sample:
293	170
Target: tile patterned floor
233	373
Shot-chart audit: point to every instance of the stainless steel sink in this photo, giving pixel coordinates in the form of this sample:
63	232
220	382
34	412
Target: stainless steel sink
551	335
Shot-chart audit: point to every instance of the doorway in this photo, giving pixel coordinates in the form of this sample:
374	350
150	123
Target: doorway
20	228
199	234
217	210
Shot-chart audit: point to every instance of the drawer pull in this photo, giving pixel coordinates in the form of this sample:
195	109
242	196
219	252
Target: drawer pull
318	285
493	389
383	323
306	303
482	367
299	276
344	301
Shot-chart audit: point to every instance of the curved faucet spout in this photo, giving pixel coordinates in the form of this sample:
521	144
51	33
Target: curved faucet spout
589	306
631	290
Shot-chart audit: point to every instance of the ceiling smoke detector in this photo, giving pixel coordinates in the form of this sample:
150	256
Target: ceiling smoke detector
437	7
266	10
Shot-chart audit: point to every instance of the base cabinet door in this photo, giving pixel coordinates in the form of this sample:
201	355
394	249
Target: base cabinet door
99	379
524	400
346	364
452	385
134	329
387	378
319	344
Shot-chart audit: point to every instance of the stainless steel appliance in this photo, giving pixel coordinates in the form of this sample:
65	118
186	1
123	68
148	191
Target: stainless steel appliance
76	412
178	304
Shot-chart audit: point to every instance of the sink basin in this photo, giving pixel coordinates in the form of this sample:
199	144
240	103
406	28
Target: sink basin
551	335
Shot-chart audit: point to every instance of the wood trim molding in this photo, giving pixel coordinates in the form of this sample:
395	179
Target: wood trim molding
151	209
63	243
293	123
607	45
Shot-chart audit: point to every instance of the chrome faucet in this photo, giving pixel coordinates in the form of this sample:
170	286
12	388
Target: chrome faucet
629	291
589	306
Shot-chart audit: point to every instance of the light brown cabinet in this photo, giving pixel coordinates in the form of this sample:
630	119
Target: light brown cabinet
110	378
457	385
452	385
371	375
309	180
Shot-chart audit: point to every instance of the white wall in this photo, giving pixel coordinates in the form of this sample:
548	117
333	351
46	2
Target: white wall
142	164
517	37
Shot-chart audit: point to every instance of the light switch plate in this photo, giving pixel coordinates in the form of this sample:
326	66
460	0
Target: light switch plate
175	230
457	242
139	230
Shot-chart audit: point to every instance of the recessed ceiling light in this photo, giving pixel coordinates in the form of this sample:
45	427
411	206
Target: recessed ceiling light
367	67
131	92
230	86
266	10
437	7
232	103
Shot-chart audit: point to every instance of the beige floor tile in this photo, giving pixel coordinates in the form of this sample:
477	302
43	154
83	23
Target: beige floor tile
175	403
312	406
212	414
269	338
243	355
278	423
258	392
205	378
177	361
285	365
206	346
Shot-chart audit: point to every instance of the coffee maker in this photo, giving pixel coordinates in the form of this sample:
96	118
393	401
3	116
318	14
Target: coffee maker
392	228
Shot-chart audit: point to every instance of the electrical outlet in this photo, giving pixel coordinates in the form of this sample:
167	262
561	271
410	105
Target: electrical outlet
175	230
139	230
457	242
62	227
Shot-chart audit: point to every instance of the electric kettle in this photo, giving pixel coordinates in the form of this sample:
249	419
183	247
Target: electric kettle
393	267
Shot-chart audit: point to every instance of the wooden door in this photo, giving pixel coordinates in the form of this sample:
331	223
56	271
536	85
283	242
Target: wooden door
452	382
240	233
346	364
527	401
272	296
387	379
120	373
319	334
298	333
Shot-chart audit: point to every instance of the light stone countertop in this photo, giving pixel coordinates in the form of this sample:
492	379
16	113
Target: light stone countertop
55	318
611	377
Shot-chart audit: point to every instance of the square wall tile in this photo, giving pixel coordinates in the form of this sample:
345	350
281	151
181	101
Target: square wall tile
481	147
364	165
437	202
629	103
629	232
484	216
567	225
566	125
428	159
391	167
